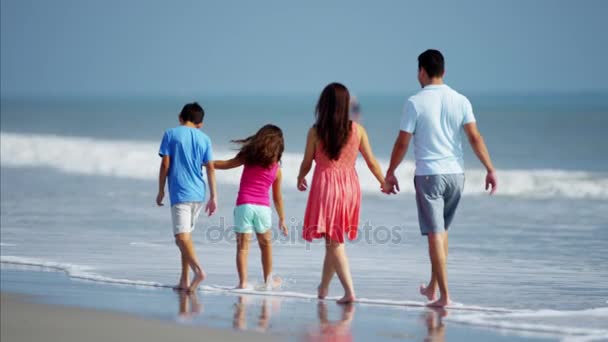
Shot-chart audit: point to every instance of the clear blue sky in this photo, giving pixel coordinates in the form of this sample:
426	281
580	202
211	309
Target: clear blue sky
193	47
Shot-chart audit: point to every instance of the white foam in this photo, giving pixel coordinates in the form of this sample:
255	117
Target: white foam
75	271
3	244
139	160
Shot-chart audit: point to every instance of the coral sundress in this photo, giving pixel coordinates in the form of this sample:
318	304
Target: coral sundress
335	194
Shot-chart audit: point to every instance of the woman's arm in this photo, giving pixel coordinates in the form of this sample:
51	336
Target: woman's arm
309	155
277	197
227	164
366	150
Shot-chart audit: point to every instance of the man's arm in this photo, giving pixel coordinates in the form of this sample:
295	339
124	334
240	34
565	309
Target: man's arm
481	151
162	179
399	150
212	203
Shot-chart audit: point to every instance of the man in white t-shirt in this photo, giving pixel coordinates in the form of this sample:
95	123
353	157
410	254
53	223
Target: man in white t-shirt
436	118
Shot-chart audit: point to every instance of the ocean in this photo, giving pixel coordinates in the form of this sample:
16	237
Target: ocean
79	179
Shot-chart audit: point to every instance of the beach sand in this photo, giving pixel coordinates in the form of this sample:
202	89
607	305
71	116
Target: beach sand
24	320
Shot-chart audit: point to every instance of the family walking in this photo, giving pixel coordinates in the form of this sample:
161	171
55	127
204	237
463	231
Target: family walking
434	121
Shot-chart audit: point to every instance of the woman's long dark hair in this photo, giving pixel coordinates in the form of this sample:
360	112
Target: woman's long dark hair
263	148
333	124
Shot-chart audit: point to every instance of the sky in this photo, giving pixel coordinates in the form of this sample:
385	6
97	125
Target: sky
178	47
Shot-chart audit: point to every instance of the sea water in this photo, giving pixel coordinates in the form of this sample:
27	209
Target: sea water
78	183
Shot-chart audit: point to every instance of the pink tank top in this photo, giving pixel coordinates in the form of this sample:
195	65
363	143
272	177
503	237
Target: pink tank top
255	184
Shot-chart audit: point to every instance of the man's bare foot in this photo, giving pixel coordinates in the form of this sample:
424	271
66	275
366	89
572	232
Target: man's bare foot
322	292
181	286
440	303
198	278
346	299
428	293
242	286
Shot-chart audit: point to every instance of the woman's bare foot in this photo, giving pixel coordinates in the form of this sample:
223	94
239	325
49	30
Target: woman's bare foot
440	303
198	278
428	293
242	286
346	299
322	292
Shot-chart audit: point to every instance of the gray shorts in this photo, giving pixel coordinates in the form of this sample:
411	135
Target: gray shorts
184	216
437	198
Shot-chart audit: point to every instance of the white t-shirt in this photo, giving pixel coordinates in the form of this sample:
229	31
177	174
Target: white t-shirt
436	117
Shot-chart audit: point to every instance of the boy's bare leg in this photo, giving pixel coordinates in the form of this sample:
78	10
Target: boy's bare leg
430	290
340	262
328	272
265	242
187	246
438	262
184	280
242	252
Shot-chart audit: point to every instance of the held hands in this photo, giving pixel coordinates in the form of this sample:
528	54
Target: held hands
491	181
159	198
211	206
283	227
391	185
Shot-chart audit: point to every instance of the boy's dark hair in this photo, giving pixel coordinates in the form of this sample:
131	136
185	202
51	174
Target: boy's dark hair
432	62
263	148
192	112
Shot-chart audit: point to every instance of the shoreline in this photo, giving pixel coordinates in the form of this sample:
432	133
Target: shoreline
49	305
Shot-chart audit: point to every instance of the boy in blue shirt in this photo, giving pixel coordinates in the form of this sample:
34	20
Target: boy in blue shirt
184	151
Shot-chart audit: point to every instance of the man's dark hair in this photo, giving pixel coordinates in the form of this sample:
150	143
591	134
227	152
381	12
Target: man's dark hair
432	62
192	112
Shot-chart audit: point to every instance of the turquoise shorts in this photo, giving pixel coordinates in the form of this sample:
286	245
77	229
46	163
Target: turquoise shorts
251	217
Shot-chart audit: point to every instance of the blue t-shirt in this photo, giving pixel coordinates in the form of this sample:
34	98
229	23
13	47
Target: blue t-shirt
189	149
436	117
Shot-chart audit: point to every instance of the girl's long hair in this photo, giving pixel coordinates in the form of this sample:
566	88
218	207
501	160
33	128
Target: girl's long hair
333	124
263	148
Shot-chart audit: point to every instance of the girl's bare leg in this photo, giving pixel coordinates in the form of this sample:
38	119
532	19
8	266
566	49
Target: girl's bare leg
242	252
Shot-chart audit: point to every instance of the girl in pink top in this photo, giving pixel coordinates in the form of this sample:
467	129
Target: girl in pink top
333	205
260	154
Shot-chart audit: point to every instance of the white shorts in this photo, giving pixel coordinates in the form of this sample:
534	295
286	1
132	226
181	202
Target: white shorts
184	216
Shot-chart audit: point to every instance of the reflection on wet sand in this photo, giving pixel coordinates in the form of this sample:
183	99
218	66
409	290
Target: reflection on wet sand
433	317
189	306
338	330
267	307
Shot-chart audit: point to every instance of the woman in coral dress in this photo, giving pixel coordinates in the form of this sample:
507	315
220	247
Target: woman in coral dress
333	205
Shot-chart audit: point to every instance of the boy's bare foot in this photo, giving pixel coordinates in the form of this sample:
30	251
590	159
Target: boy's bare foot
198	278
346	299
321	292
428	293
440	303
